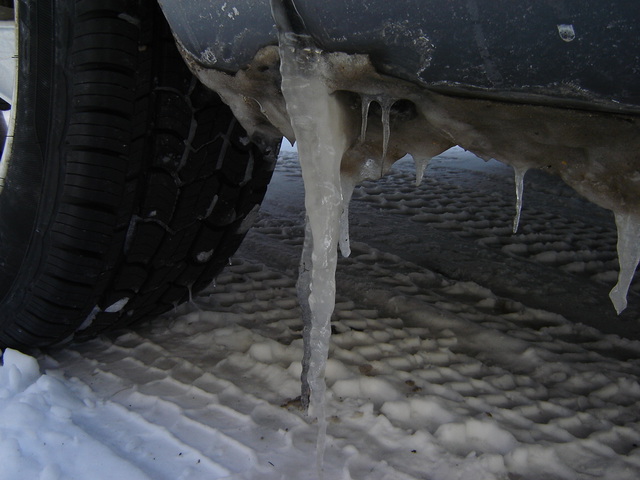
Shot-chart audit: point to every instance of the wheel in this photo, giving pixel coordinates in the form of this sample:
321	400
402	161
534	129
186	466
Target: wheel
125	184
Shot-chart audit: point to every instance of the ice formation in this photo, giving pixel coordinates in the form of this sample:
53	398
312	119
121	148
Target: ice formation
303	286
421	165
366	104
519	180
345	242
628	256
594	152
386	105
320	130
352	123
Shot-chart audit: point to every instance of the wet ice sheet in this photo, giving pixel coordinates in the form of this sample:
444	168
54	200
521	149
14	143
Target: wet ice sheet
319	88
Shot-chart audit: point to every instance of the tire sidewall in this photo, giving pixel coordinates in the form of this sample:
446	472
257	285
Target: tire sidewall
33	182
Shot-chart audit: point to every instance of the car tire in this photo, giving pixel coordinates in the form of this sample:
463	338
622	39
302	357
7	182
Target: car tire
127	185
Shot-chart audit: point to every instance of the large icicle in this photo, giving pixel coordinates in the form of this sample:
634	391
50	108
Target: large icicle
628	256
519	172
319	123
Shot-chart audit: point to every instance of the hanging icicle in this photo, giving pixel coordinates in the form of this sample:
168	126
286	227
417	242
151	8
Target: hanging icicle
366	104
519	173
421	165
319	121
386	104
628	225
348	184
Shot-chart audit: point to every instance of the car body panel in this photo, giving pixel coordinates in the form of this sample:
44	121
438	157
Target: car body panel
573	53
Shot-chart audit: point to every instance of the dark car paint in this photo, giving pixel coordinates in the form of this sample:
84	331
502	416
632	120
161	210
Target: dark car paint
578	53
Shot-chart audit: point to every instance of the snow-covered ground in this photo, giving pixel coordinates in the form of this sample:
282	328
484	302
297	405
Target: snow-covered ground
459	351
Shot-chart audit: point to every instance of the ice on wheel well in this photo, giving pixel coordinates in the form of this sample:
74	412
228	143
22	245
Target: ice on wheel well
376	120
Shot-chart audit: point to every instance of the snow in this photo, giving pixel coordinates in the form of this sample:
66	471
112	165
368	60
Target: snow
39	437
117	306
437	369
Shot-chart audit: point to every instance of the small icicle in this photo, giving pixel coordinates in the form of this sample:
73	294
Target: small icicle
348	184
519	180
628	256
421	165
366	103
386	105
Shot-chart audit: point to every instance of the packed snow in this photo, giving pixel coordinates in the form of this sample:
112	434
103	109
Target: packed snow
458	351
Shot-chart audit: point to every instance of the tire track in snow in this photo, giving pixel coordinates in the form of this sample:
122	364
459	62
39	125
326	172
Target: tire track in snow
395	386
429	377
206	416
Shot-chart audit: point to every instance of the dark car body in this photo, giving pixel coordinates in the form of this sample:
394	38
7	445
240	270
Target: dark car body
577	53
